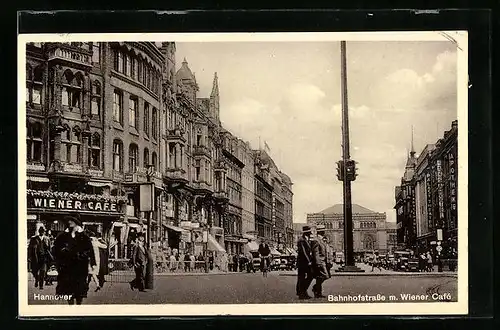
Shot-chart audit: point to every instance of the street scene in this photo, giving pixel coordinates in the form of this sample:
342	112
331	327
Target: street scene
241	173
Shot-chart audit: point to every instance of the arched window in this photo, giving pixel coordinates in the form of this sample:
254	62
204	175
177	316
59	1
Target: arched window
95	151
133	118
146	158
154	127
133	156
118	106
95	106
71	90
34	142
154	160
117	155
146	118
34	84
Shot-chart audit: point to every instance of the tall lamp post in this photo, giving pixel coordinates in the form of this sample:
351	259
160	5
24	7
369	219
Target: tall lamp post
346	171
147	204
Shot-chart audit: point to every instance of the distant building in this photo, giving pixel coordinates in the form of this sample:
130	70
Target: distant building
369	228
426	200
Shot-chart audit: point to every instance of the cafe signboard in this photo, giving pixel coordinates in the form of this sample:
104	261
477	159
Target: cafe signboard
73	202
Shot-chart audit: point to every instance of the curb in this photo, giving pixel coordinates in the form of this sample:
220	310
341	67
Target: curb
434	274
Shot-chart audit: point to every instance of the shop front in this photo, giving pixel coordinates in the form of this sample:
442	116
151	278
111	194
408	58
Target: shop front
98	213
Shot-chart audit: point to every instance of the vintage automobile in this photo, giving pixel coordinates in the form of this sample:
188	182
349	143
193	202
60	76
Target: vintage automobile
412	265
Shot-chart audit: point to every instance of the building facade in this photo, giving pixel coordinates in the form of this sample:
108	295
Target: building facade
433	180
103	119
369	228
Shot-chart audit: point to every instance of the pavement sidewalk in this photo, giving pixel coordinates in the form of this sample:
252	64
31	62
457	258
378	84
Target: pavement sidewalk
377	272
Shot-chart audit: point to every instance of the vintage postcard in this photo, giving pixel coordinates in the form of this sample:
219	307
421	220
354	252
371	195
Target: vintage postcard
243	174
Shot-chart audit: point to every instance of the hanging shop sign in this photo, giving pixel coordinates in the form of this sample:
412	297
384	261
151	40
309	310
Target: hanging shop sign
452	182
73	201
428	190
440	189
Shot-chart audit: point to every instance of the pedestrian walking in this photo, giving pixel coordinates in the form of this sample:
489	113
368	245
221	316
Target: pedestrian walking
39	256
73	253
103	260
430	264
319	261
173	263
139	260
304	264
376	262
95	271
192	262
187	263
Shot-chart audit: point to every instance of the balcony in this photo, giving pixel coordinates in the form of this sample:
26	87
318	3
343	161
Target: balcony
201	151
68	170
71	54
176	135
221	196
175	177
202	187
36	167
220	165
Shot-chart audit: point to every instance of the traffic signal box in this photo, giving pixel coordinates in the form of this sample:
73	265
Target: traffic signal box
349	169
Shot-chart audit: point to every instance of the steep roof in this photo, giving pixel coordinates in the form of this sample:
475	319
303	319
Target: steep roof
184	73
339	209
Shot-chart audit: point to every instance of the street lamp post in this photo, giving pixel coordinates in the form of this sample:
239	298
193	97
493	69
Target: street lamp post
347	172
150	267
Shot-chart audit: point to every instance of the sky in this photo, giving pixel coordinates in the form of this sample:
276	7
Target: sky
289	95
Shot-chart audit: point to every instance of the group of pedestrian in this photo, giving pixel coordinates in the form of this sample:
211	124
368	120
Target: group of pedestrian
80	257
237	262
426	263
312	262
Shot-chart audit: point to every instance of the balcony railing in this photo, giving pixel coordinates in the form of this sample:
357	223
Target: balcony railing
176	174
175	134
70	55
35	167
96	173
201	151
201	185
118	176
221	195
220	165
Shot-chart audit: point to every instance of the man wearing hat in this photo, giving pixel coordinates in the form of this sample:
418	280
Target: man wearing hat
304	262
139	260
73	253
319	261
39	256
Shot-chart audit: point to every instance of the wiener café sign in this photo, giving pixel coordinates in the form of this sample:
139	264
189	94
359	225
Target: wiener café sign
71	205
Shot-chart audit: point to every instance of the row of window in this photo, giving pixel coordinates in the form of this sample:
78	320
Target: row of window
133	157
133	114
137	69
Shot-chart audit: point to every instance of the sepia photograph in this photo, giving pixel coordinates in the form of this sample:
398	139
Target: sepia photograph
243	174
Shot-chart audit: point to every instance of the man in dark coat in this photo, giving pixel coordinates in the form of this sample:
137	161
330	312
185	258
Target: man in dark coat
39	256
265	252
319	261
73	253
304	263
139	260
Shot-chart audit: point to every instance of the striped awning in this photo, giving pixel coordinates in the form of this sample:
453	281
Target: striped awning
38	179
99	184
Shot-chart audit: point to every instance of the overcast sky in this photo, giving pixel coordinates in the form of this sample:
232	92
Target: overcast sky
289	95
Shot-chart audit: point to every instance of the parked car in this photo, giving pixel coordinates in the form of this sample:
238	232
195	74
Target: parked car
412	265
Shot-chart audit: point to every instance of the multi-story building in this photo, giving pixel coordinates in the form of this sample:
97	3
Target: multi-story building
369	228
233	226
288	210
88	138
405	205
263	198
433	179
104	118
248	190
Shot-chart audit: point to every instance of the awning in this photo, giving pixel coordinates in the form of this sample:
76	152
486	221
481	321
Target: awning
252	246
275	252
99	184
213	245
174	228
38	179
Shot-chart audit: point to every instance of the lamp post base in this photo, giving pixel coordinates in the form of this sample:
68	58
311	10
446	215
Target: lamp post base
349	269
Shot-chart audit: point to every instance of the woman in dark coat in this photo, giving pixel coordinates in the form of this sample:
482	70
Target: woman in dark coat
73	253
